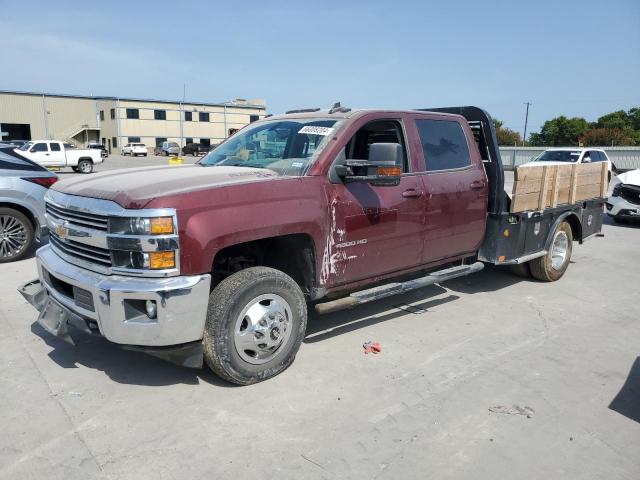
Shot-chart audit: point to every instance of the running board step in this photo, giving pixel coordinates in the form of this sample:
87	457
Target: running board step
383	291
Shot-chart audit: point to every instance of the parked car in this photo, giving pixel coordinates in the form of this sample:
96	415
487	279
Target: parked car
134	149
98	146
167	148
23	184
562	156
218	261
195	149
52	153
624	202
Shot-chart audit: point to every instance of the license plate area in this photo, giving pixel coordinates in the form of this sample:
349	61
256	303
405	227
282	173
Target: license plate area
55	320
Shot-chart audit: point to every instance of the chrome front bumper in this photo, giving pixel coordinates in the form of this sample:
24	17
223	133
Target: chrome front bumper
114	304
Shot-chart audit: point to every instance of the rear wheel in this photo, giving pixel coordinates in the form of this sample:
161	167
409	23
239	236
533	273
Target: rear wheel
256	321
85	166
16	235
552	266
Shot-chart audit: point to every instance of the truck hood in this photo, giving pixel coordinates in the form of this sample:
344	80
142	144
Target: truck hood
135	187
631	177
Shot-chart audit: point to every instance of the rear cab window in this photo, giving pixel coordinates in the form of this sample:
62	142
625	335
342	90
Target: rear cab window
444	145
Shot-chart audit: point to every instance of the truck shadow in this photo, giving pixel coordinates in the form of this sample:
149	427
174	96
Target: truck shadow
324	327
122	366
136	368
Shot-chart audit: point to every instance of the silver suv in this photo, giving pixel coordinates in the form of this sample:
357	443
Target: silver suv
23	184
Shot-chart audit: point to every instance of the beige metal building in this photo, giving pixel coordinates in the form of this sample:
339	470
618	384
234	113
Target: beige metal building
115	122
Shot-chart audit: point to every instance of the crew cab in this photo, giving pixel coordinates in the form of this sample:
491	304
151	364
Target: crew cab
55	154
326	209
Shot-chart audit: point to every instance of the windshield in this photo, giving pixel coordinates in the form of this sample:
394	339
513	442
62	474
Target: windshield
558	156
26	146
287	147
172	144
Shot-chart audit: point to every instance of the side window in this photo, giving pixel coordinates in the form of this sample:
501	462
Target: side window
588	157
444	144
40	147
378	131
597	157
55	147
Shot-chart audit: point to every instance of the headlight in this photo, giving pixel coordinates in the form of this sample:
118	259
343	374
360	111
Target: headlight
141	225
144	260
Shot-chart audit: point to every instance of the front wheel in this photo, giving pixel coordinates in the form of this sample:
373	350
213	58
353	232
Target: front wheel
552	266
256	321
85	166
16	235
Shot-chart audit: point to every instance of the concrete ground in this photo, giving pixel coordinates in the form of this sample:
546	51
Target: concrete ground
484	377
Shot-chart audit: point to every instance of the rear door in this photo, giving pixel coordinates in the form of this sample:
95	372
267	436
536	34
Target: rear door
56	154
455	185
374	230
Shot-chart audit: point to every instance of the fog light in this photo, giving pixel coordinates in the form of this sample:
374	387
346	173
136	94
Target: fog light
152	308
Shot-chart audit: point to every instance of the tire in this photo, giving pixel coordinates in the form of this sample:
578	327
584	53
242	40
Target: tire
16	235
229	314
552	266
85	166
522	270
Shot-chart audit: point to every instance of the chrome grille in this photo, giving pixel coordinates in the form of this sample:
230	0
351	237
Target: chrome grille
78	218
82	251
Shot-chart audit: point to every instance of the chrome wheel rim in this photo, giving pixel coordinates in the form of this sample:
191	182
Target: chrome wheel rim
85	167
559	250
13	236
262	328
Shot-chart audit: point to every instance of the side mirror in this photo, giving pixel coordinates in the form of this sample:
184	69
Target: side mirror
380	170
586	160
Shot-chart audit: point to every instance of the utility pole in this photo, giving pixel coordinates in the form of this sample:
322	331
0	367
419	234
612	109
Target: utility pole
526	120
184	91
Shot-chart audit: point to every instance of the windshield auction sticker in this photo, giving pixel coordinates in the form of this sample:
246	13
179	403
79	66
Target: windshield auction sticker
312	130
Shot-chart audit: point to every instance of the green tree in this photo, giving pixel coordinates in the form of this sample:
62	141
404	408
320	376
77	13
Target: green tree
619	120
560	131
505	135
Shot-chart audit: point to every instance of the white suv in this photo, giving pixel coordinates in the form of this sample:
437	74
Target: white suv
135	149
562	156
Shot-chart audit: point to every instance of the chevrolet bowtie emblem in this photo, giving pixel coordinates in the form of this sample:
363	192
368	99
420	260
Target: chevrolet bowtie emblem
62	231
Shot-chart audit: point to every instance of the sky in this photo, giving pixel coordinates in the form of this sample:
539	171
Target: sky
573	58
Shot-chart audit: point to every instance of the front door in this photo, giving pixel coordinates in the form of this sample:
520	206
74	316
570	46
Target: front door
39	153
374	230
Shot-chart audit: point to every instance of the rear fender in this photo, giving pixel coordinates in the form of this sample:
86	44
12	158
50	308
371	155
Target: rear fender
576	227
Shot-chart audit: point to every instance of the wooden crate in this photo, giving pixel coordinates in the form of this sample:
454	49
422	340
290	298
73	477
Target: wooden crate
547	186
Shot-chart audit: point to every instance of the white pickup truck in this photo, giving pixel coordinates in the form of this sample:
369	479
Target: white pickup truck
55	154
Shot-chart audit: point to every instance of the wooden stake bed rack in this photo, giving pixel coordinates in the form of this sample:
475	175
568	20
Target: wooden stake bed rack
547	186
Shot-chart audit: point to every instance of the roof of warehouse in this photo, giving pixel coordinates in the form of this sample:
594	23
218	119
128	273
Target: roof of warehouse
99	97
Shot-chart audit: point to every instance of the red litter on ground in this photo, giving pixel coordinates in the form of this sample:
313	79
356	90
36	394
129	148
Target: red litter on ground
371	347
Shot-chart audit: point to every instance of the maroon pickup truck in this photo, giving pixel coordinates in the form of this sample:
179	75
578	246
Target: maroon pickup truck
330	208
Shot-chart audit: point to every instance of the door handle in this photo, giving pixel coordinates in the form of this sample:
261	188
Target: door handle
411	193
477	185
